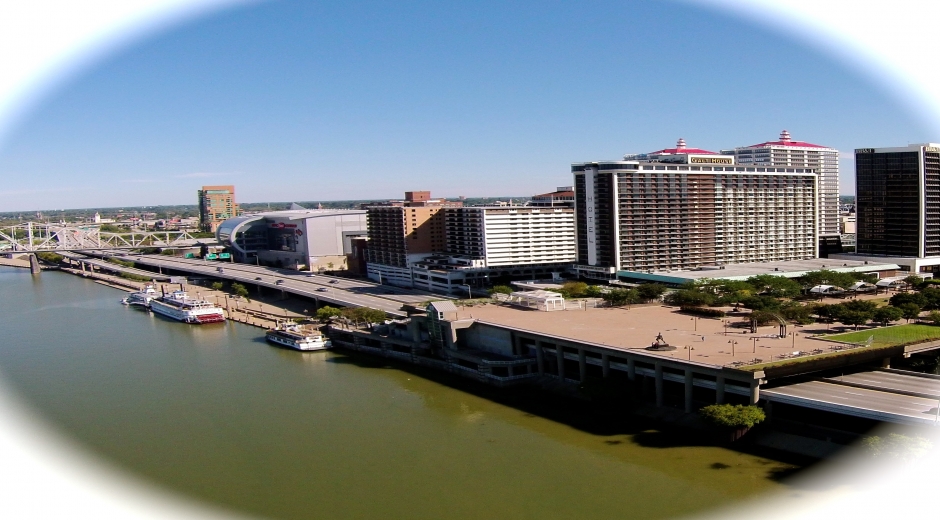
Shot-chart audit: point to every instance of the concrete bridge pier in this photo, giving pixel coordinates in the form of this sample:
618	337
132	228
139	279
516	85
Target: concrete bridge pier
720	389
659	384
605	364
540	357
582	365
688	391
34	264
560	357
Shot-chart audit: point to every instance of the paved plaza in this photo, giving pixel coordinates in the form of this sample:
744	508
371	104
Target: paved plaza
703	340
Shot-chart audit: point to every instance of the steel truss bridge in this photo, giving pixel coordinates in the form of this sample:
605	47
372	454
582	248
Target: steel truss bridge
33	237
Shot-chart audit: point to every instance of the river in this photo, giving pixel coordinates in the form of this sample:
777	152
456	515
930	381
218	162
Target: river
215	413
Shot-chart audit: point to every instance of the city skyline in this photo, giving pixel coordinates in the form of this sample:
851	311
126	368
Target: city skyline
288	100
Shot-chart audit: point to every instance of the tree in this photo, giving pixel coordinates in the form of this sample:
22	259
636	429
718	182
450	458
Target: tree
897	446
934	317
326	312
932	297
910	311
573	289
593	291
828	277
650	291
866	306
760	318
732	416
501	289
914	281
776	286
794	311
620	297
900	299
689	298
364	315
240	290
760	303
856	318
884	315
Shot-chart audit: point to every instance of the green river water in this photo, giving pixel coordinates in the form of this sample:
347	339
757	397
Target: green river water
215	413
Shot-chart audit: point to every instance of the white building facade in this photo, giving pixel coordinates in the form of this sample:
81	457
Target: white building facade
787	153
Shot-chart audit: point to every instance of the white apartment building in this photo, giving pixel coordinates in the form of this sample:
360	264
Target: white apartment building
788	153
509	236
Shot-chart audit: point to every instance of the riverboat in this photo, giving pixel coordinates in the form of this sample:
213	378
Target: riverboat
180	306
296	337
141	298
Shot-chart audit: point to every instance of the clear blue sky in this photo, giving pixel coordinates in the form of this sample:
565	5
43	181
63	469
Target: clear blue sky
357	99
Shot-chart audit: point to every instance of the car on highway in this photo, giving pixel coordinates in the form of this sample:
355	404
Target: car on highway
322	289
311	275
278	282
257	278
334	281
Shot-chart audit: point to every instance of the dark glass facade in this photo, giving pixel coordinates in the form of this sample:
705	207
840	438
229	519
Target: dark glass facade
888	198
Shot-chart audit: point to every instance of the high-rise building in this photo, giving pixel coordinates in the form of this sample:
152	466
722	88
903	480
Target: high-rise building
216	204
512	235
683	208
787	153
898	205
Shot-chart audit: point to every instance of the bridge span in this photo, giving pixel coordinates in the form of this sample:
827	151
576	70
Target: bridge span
32	237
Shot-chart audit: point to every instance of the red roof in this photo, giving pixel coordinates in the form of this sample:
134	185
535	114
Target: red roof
786	141
681	149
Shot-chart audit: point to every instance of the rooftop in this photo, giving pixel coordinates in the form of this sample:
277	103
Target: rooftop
789	269
681	148
786	140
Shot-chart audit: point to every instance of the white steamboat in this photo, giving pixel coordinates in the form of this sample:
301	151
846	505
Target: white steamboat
296	337
141	298
180	306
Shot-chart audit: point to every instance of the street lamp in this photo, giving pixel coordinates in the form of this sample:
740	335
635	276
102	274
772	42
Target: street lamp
732	343
725	322
754	340
793	340
695	323
469	292
690	349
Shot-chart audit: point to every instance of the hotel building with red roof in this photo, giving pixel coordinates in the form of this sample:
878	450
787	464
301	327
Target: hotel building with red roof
787	153
686	208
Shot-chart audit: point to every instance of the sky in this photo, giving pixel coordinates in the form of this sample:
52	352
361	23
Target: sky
298	101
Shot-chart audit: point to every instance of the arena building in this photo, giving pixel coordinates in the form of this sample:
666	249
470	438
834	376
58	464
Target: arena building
304	239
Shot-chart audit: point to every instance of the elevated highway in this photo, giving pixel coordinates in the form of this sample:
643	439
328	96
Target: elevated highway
884	395
327	289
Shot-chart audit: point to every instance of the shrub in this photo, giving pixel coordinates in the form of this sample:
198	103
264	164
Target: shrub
689	298
51	258
217	286
501	289
703	311
619	297
897	446
732	416
326	312
240	290
650	291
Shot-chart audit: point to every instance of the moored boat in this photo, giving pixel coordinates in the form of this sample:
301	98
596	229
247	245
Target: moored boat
297	337
141	298
180	306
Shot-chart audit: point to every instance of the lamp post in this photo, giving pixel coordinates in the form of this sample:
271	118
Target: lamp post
695	323
725	323
690	349
732	343
469	291
793	340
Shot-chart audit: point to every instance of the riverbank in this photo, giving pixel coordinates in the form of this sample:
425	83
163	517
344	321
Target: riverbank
263	311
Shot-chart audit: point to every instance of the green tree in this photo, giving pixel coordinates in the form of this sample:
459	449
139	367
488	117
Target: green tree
732	416
828	277
917	299
240	290
914	281
761	318
326	312
650	291
760	303
856	318
500	289
689	298
621	297
776	286
897	446
573	289
866	306
217	286
593	291
932	297
934	317
363	315
887	314
797	312
910	311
